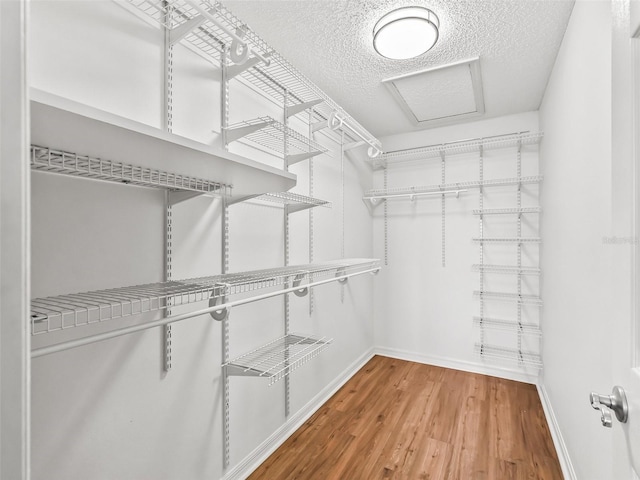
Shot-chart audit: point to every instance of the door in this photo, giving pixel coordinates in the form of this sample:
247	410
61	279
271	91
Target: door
625	321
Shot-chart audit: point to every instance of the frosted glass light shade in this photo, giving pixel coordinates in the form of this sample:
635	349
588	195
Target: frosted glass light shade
406	32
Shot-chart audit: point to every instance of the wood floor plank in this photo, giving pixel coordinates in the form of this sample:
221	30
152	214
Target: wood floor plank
403	420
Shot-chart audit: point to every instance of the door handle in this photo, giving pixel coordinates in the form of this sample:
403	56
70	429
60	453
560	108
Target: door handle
616	402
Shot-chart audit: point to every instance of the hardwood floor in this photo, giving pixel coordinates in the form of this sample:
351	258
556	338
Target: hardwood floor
403	420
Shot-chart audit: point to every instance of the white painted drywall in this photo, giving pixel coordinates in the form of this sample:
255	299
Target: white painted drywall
424	311
106	411
576	161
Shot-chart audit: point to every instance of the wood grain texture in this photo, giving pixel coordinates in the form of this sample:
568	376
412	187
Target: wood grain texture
402	420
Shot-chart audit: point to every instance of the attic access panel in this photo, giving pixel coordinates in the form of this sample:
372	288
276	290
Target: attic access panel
440	95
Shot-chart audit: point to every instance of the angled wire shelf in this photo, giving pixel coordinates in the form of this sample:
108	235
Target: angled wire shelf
455	148
507	326
55	161
376	194
509	298
527	358
278	358
269	133
507	240
210	39
294	201
507	211
68	311
506	269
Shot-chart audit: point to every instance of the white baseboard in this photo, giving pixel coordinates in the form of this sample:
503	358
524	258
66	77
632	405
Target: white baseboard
252	461
472	367
561	448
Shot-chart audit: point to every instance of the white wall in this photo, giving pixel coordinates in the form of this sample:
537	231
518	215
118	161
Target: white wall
424	311
106	411
576	161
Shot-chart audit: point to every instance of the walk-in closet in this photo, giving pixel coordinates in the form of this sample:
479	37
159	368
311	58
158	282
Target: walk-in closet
327	239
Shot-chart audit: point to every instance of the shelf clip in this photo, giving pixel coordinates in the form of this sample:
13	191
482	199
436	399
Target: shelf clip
296	283
217	299
339	273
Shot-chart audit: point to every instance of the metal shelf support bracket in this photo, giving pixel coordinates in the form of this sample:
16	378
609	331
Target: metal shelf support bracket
300	157
239	132
300	107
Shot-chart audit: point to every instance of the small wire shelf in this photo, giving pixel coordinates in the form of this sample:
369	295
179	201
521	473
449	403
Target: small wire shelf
509	298
294	201
521	357
465	146
508	326
278	358
55	161
506	269
269	133
507	240
503	182
68	311
507	211
210	40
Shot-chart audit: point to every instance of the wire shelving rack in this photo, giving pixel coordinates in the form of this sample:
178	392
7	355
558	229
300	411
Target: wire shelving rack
278	79
278	358
505	269
517	298
526	328
67	311
526	358
271	134
459	147
507	211
294	201
375	194
55	161
504	240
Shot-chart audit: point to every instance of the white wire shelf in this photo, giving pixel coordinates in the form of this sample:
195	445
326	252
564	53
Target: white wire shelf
278	358
505	269
110	146
454	148
507	211
449	187
507	240
210	40
54	161
508	326
530	359
509	298
294	201
269	133
68	311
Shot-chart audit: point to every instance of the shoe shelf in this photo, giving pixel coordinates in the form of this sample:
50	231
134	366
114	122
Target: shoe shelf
279	358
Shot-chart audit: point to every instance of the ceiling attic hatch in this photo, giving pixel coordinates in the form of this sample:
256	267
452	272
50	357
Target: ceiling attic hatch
440	95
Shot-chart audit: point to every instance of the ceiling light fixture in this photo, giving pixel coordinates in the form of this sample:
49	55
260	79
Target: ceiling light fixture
406	32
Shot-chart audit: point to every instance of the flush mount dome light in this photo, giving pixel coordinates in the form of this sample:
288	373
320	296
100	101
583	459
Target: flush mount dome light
406	32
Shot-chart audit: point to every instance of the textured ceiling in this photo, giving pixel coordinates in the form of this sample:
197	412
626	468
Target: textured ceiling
330	42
